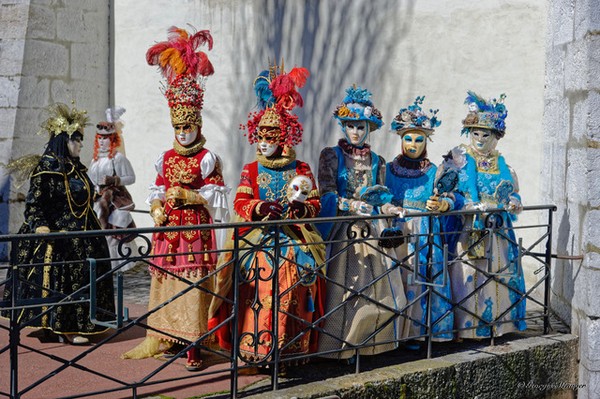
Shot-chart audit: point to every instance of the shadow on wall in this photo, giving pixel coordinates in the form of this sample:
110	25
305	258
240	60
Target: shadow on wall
563	282
340	43
4	218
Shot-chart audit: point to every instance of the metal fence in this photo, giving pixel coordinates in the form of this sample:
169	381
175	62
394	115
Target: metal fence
423	260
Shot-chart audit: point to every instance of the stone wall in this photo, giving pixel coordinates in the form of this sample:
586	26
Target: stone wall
571	172
532	368
52	51
14	17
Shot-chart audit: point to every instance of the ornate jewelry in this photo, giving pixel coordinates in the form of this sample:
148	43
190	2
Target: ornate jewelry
191	150
279	162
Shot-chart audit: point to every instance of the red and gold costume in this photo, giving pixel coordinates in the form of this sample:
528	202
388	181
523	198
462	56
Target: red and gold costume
188	191
200	172
264	194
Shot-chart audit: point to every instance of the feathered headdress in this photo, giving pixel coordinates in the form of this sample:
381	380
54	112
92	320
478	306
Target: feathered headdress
62	118
184	68
485	114
277	95
414	118
357	106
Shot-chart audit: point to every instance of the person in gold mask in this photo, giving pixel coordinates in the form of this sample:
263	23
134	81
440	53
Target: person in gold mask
411	177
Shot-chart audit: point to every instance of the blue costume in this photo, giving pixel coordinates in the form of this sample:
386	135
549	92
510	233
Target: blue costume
490	264
364	295
411	189
411	178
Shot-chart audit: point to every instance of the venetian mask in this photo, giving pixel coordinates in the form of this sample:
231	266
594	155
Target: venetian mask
268	141
186	133
299	188
483	140
103	143
356	132
414	144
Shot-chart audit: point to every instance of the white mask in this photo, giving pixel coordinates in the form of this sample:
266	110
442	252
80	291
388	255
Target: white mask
299	188
103	143
186	134
483	141
356	132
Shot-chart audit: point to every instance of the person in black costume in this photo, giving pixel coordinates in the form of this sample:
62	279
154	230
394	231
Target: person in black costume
60	198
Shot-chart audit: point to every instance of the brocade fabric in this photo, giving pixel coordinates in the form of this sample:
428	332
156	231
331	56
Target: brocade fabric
60	197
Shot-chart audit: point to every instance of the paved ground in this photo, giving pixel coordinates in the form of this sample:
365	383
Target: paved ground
100	367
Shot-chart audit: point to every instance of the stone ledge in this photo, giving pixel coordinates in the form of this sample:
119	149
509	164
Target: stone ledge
525	368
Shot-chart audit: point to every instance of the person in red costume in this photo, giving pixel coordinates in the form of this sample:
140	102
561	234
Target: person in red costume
276	186
189	190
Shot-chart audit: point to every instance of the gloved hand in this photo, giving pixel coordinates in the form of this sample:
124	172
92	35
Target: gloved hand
391	238
361	208
515	206
476	206
42	230
110	181
389	209
268	211
157	211
179	196
435	204
298	210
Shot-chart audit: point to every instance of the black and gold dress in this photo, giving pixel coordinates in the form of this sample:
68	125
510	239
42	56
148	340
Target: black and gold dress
60	197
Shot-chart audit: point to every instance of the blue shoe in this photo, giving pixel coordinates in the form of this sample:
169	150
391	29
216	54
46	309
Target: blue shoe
412	345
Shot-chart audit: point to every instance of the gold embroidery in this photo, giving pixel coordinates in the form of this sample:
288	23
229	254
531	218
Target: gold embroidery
485	163
264	180
181	170
245	190
278	162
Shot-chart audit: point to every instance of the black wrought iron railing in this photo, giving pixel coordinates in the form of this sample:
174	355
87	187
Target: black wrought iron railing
405	286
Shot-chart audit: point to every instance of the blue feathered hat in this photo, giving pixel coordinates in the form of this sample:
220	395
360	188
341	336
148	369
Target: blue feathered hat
485	114
357	106
414	118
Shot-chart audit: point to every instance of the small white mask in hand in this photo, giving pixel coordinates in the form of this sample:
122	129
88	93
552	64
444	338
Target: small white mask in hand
299	188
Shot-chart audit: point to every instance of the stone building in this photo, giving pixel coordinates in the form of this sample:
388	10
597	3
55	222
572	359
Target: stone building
545	55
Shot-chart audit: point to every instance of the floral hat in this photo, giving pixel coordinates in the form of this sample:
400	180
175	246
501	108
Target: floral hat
414	118
357	106
485	114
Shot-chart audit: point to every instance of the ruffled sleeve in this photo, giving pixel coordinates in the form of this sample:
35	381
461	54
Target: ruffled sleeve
157	190
214	189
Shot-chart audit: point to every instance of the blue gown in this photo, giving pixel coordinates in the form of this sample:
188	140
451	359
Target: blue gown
412	187
479	179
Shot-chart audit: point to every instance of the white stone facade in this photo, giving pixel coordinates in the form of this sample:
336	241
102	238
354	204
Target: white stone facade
572	155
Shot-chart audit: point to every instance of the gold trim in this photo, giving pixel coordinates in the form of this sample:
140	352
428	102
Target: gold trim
278	162
245	190
191	150
46	281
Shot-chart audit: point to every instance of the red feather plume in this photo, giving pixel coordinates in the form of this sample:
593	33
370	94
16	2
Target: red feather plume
178	56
